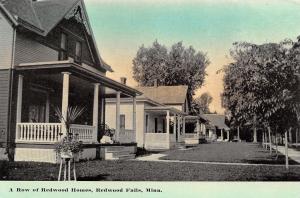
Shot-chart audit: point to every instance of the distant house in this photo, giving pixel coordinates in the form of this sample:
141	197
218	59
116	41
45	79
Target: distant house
49	58
216	127
160	116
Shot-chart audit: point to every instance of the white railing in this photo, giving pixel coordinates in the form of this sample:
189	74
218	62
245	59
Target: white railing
51	132
126	136
191	135
38	132
84	133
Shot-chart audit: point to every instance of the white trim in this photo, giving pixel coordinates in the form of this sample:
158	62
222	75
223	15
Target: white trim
19	99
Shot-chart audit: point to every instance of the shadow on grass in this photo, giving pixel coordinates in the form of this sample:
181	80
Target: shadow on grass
100	177
270	160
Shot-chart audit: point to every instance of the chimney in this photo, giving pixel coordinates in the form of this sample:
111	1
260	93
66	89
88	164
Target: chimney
155	83
123	80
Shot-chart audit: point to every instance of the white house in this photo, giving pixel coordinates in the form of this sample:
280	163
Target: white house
160	117
215	128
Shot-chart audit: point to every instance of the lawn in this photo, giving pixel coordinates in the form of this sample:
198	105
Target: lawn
148	171
227	152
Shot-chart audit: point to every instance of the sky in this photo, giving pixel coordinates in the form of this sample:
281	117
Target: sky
211	26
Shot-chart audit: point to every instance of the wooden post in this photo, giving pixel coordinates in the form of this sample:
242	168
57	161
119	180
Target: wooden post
20	98
96	109
286	151
118	104
175	125
183	127
65	99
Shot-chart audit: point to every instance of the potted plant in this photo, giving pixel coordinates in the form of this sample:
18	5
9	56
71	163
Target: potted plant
69	145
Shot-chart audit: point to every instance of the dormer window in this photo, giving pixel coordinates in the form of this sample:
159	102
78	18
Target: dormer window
63	55
78	52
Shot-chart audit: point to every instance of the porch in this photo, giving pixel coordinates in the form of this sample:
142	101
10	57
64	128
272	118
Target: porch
195	130
43	87
164	128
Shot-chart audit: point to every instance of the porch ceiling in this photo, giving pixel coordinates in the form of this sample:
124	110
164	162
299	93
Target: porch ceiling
48	68
163	110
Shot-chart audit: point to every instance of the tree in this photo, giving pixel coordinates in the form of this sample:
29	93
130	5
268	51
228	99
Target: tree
178	66
259	83
201	103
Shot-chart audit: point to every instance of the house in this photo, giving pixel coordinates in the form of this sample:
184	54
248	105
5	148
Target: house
160	116
215	128
49	58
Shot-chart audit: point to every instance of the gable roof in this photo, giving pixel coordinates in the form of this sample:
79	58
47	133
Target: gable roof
42	16
166	94
217	120
23	10
59	8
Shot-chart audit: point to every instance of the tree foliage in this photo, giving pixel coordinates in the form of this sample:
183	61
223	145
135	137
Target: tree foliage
177	66
260	84
201	103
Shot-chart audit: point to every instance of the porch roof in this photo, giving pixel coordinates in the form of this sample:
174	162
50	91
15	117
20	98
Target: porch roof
164	109
82	71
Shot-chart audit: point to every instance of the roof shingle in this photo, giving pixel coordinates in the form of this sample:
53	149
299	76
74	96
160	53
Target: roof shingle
166	94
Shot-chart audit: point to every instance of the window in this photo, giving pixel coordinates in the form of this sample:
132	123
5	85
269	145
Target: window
155	125
122	121
63	47
78	52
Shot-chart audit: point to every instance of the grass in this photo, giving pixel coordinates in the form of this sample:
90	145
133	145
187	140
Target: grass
227	152
148	171
98	170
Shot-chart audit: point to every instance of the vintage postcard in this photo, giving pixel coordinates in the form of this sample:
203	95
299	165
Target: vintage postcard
149	98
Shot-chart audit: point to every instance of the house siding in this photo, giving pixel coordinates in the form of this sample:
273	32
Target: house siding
6	42
28	50
4	107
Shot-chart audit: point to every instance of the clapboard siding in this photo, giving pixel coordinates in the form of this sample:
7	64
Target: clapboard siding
30	51
4	104
6	42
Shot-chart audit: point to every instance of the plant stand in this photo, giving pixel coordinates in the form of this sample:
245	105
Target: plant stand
67	168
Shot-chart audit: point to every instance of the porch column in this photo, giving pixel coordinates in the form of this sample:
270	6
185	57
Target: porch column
178	126
65	98
222	137
174	126
96	110
168	128
183	126
134	114
118	115
19	99
198	127
228	135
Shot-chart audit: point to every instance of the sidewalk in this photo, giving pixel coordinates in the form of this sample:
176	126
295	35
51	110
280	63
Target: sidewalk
293	154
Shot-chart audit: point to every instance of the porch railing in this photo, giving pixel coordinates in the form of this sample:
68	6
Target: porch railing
50	132
86	133
191	135
38	132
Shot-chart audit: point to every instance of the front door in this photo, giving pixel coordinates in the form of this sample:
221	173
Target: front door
37	107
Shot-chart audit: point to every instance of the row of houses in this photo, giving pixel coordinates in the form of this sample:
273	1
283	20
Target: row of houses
49	58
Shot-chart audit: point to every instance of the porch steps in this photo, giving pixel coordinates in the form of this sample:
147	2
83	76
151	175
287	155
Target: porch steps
180	145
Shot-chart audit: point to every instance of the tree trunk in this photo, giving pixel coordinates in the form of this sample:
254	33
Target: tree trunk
254	135
286	150
276	145
297	133
238	134
263	139
270	140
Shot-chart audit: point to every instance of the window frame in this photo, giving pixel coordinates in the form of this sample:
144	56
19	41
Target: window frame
63	52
